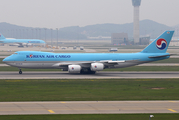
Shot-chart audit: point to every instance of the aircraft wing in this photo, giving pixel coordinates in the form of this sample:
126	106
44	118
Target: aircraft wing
112	62
21	44
16	44
87	64
70	63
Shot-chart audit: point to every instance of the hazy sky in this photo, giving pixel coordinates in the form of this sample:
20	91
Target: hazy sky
64	13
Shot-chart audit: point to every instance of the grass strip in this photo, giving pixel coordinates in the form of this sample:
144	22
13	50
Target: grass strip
89	90
92	117
1	60
134	68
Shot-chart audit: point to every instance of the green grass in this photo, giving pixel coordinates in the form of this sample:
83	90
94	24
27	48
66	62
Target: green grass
1	60
92	117
89	90
134	68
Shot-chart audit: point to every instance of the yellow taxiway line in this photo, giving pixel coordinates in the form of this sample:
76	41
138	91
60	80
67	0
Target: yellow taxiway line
172	110
51	111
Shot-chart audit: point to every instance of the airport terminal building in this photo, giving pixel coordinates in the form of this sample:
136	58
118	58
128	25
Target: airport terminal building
119	38
122	39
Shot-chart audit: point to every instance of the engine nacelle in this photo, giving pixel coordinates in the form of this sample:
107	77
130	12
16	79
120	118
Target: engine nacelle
74	68
97	66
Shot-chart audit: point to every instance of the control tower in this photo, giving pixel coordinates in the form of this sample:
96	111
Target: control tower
136	34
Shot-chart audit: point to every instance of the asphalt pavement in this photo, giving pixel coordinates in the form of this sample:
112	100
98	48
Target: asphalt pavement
88	107
98	75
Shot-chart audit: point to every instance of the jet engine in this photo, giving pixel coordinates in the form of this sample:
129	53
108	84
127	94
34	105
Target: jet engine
97	66
74	68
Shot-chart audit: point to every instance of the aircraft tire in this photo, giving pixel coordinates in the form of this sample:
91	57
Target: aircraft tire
92	72
88	71
82	71
20	72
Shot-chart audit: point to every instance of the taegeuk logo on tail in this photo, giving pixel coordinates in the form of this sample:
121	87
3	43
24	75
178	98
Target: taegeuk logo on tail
161	44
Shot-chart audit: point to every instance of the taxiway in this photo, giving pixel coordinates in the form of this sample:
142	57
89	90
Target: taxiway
98	75
88	107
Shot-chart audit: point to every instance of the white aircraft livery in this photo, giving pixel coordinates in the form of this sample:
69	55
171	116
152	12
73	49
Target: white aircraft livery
91	62
21	42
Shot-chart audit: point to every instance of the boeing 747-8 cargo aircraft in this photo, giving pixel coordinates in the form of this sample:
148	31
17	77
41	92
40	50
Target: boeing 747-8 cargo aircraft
91	62
21	42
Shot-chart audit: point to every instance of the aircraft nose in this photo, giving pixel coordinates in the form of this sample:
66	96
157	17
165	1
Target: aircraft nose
6	59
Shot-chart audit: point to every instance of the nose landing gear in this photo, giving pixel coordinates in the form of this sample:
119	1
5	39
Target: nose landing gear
20	72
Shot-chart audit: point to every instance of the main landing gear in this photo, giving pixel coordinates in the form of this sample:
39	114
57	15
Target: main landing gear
87	71
20	72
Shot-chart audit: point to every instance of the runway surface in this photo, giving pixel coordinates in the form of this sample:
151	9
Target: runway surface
88	107
3	56
98	75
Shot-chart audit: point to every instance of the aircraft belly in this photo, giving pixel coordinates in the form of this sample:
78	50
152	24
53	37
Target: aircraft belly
38	65
31	65
50	64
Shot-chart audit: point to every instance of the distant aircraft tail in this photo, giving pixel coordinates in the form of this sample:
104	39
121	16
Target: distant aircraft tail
160	45
2	37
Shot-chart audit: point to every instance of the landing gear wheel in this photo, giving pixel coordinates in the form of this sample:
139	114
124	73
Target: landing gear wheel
87	71
91	72
20	72
82	71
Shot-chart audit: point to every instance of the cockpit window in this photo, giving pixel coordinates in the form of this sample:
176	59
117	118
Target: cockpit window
15	53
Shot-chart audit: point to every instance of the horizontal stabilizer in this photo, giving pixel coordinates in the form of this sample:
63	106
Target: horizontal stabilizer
160	56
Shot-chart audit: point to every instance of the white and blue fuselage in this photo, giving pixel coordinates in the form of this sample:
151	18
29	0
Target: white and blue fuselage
34	59
91	62
21	42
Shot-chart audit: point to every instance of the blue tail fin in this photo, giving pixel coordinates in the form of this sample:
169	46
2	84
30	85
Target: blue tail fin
160	45
2	37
